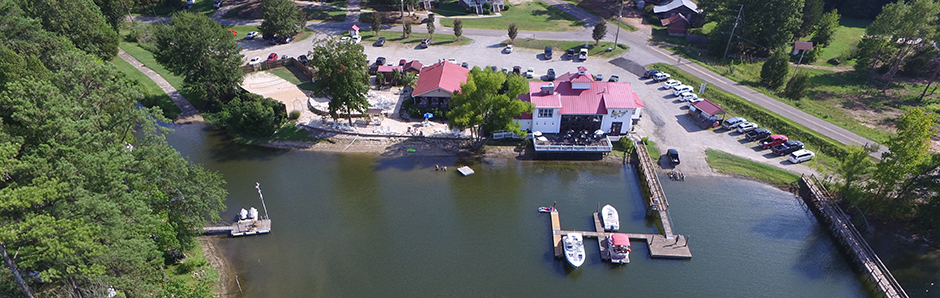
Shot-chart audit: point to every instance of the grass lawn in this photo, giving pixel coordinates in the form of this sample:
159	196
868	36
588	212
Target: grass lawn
533	16
369	38
451	8
612	19
295	76
559	47
327	14
244	29
848	34
153	95
235	11
734	165
148	60
652	148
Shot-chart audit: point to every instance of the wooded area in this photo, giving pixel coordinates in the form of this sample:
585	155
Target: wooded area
91	196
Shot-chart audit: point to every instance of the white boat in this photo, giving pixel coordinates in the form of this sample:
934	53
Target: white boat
574	249
252	213
611	219
243	214
546	209
619	247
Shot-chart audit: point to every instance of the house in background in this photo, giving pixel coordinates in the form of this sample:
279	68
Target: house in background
676	25
476	6
686	7
706	114
384	73
413	66
438	82
575	102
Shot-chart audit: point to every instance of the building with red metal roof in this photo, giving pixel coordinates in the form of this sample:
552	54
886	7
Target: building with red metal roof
576	102
438	82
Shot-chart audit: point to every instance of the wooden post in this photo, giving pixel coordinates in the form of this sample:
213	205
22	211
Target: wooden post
238	283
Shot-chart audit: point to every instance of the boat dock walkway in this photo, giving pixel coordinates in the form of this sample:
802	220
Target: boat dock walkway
242	228
657	197
824	207
660	246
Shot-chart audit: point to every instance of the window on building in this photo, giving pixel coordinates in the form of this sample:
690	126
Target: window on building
546	113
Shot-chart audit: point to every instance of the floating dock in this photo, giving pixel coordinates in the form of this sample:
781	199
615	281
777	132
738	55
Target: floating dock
465	170
243	228
660	246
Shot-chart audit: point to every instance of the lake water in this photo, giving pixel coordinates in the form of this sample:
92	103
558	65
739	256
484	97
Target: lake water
351	225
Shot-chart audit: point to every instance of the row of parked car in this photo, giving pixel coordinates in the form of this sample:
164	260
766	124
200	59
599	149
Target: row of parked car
683	92
779	144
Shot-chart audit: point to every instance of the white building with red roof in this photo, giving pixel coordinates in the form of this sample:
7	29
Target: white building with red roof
438	82
576	102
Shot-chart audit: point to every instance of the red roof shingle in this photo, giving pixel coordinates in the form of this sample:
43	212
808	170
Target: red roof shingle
444	75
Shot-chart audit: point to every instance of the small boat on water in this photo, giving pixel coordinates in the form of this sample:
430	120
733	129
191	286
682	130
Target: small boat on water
546	209
574	249
611	218
243	214
619	247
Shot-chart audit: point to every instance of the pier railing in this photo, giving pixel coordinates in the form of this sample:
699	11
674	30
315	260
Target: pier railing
852	241
657	197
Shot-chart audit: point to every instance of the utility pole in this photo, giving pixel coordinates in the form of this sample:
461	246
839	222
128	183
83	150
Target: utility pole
619	16
402	19
736	20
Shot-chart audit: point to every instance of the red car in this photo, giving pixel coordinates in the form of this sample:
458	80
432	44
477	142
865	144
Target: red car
773	140
272	57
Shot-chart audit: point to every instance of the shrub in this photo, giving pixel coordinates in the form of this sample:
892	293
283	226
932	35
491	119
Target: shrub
835	61
796	87
294	115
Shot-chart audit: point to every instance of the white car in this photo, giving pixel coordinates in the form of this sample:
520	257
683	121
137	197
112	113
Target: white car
694	100
662	76
801	155
357	39
733	123
687	96
681	89
746	127
255	60
251	35
670	84
530	73
508	49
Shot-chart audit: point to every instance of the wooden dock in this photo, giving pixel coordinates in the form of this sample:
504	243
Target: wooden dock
657	197
243	228
660	246
824	207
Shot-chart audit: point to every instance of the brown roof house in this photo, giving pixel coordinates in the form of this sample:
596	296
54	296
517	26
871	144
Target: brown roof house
686	7
676	25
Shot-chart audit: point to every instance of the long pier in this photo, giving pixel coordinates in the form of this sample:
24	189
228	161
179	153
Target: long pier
657	197
242	228
824	207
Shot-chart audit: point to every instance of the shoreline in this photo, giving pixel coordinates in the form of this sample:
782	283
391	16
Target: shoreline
217	261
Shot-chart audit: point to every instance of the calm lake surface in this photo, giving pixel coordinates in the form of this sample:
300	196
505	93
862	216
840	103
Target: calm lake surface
350	225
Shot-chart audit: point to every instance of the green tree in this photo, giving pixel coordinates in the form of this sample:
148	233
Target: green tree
341	73
253	115
408	80
199	49
407	29
80	21
774	72
458	28
812	12
872	52
513	32
905	27
376	23
282	18
826	29
115	11
430	30
764	25
907	152
796	87
487	102
600	30
855	165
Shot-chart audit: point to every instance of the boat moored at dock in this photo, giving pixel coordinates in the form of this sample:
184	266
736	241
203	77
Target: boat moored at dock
574	249
619	248
611	218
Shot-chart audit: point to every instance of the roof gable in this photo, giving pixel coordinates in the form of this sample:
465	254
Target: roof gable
596	100
675	4
709	107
